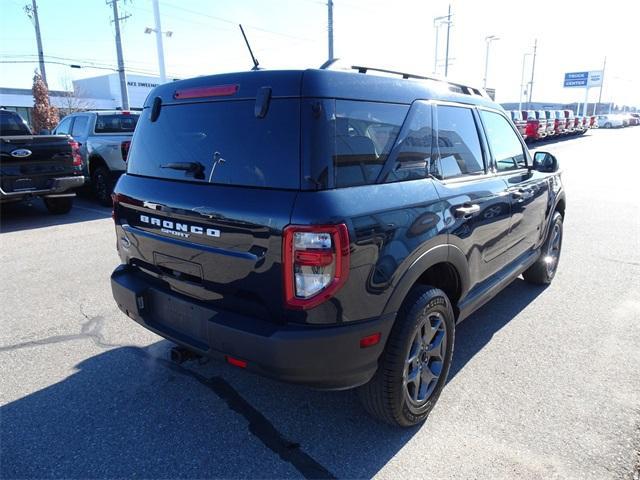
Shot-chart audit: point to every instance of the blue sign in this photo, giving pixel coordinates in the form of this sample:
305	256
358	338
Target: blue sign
576	79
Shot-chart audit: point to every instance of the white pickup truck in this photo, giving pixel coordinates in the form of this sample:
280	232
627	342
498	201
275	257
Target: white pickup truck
103	138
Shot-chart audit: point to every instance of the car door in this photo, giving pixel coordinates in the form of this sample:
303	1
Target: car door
79	133
528	189
478	211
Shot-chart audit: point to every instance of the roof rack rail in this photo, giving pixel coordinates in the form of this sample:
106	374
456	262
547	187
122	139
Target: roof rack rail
457	87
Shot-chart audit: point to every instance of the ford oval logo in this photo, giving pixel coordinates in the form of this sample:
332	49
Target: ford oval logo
21	153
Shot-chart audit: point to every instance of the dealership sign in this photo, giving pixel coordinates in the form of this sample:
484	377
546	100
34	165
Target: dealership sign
583	79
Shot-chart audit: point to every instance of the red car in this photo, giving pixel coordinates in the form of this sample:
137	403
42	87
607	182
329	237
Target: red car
519	122
536	130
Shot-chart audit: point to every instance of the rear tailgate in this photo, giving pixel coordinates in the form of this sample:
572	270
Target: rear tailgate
209	188
30	163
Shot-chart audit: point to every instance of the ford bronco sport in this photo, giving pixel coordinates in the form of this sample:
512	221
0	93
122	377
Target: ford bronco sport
329	228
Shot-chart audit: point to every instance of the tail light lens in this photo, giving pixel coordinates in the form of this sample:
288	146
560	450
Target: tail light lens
124	148
75	153
315	263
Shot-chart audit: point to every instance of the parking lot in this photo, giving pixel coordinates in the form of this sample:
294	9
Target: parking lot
545	382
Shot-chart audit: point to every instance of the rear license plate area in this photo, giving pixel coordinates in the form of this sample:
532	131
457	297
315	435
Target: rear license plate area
180	319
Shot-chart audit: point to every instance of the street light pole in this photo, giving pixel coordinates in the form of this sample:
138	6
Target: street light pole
488	39
330	27
601	85
446	60
524	60
156	15
533	69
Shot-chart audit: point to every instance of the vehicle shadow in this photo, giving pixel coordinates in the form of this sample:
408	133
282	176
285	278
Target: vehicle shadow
131	412
31	215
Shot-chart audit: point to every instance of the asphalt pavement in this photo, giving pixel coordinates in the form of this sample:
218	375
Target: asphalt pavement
545	381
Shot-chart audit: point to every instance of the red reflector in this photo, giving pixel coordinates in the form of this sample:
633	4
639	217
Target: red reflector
370	340
200	92
126	113
314	259
236	362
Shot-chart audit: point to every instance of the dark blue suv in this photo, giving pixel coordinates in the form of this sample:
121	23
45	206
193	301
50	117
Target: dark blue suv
329	228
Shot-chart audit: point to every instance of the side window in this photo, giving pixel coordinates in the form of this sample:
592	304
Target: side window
64	127
412	152
504	143
458	145
364	135
79	126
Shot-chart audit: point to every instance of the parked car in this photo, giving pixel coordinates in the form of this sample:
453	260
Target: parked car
341	245
547	125
45	166
519	122
569	127
585	123
536	130
552	122
633	119
104	138
593	121
610	121
560	122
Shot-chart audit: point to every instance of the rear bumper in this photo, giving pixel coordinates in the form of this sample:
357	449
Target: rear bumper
318	356
57	187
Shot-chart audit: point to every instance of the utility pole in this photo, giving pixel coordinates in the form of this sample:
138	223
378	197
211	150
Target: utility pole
32	13
533	69
446	62
123	78
156	15
604	65
330	27
435	57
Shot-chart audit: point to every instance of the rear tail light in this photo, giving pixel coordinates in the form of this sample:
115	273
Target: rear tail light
124	148
315	263
75	153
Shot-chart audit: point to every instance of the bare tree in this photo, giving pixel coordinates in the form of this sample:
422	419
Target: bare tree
45	115
73	100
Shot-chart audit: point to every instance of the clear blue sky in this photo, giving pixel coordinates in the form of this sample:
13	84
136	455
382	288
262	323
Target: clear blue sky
572	36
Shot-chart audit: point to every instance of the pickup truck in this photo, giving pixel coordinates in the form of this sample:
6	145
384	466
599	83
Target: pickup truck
47	166
104	139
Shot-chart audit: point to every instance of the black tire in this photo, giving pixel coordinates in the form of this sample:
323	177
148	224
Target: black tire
59	206
102	185
607	125
387	396
545	268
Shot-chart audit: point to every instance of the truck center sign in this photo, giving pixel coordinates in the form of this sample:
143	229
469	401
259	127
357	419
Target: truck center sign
583	79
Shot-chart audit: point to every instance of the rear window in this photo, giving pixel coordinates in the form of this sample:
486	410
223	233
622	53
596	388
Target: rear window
516	115
221	143
12	124
117	123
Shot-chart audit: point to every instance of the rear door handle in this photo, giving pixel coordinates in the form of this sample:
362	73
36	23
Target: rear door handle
466	211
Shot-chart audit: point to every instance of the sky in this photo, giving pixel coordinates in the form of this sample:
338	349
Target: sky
394	34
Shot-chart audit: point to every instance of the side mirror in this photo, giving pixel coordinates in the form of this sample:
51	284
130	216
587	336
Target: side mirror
45	131
545	162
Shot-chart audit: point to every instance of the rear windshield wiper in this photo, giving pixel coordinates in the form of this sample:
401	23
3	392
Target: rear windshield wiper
195	168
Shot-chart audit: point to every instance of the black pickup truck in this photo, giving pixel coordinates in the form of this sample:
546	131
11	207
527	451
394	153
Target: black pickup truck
47	166
330	228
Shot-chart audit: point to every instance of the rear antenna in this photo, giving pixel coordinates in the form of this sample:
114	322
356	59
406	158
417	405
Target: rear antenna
255	60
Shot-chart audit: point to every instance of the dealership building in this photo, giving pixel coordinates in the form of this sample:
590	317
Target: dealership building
92	93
